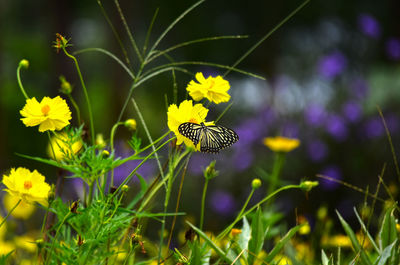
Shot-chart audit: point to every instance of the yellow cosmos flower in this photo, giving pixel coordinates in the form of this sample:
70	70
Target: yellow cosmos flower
63	146
50	114
26	242
26	185
214	89
186	112
24	210
6	247
281	144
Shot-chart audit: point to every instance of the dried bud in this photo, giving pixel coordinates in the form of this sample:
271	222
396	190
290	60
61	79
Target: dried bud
113	189
74	207
190	234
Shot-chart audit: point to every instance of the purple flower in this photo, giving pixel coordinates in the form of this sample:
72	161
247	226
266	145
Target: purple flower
359	87
243	159
336	127
393	48
369	25
315	115
222	202
331	65
373	128
352	111
317	150
332	172
290	130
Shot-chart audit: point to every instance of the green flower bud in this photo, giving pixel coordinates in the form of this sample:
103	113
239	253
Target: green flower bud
124	188
210	171
24	63
105	153
256	183
308	185
130	124
66	87
100	141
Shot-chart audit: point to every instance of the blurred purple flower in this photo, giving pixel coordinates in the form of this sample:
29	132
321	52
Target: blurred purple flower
333	172
392	122
336	127
352	111
315	115
223	203
198	163
317	150
331	65
249	132
392	46
373	128
243	159
359	87
369	25
290	130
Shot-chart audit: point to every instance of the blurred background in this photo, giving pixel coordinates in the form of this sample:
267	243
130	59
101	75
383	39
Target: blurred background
326	69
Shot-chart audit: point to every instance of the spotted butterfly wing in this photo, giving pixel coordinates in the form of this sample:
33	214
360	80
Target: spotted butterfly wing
212	138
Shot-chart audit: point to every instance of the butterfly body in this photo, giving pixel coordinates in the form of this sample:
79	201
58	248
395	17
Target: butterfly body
211	138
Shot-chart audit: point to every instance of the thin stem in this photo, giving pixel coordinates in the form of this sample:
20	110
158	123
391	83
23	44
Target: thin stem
51	146
248	52
85	92
274	177
203	200
90	193
112	134
55	236
12	209
19	81
121	15
76	107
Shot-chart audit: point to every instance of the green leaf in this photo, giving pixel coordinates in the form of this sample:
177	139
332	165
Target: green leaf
364	228
282	243
257	236
244	237
324	258
386	254
388	233
3	258
210	243
200	254
356	245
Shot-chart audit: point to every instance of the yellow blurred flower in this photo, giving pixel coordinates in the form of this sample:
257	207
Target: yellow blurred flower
336	241
282	260
186	112
6	247
26	242
214	89
26	185
50	114
281	144
235	231
23	211
63	146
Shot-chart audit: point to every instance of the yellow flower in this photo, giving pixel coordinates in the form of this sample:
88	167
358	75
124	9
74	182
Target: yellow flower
63	146
26	242
235	232
23	211
26	185
6	247
214	89
186	112
282	260
336	241
50	114
281	144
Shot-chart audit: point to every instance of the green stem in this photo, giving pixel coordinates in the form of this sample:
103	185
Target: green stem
276	171
78	112
20	83
239	217
203	200
13	208
90	193
85	92
112	134
55	237
51	146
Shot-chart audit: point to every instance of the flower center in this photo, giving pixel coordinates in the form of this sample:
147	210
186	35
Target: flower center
27	184
45	110
193	120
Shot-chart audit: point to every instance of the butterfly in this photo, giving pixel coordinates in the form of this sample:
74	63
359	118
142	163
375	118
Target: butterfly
212	138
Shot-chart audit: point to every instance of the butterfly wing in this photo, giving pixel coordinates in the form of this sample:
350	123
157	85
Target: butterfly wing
215	138
191	131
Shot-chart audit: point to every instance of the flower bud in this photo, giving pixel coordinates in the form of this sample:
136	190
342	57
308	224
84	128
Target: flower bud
105	153
256	183
130	124
210	171
124	188
24	63
308	185
235	232
66	87
100	141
